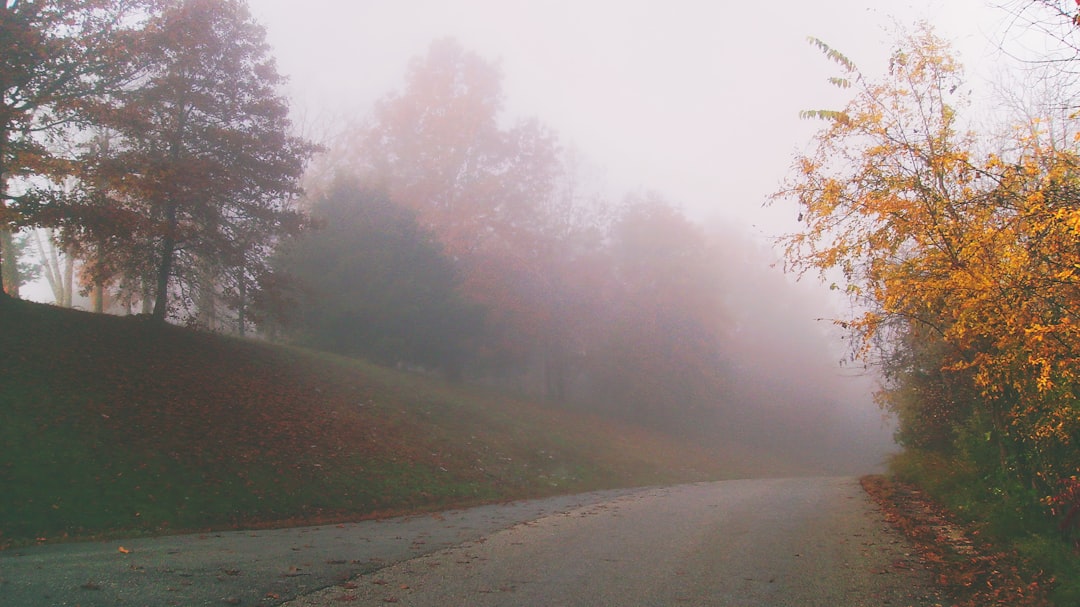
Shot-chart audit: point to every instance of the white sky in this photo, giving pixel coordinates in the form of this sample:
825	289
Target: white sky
696	99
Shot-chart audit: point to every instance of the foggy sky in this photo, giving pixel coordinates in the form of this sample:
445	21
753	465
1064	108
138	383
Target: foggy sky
696	100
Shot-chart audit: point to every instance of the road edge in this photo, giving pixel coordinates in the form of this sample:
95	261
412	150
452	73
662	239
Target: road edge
968	568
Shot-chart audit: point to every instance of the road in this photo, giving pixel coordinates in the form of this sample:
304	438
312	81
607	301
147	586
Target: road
777	542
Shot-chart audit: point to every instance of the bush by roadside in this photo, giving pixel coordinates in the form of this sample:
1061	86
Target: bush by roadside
973	568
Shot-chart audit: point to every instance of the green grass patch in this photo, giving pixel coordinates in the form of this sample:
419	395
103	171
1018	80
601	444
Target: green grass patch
115	426
1008	516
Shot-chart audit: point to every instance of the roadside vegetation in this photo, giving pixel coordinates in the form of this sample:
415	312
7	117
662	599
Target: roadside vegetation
971	564
956	243
119	425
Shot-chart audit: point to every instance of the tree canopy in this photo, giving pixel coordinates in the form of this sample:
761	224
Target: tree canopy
179	145
59	55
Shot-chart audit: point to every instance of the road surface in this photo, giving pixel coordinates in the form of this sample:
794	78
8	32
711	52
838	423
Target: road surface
778	542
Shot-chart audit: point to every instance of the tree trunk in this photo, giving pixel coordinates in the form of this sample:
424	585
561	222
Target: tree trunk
147	298
61	276
9	264
69	277
554	373
3	289
168	249
161	297
3	193
97	298
207	312
241	308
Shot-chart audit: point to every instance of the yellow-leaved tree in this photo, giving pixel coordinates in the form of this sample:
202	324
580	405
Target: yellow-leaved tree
963	259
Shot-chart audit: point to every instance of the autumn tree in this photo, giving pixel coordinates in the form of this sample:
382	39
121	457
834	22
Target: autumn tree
440	147
57	54
202	167
967	258
59	269
575	309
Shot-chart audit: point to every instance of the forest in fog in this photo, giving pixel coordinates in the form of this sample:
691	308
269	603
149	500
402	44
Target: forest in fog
152	167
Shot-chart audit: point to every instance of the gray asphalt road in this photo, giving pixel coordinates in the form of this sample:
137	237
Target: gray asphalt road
795	542
263	568
804	542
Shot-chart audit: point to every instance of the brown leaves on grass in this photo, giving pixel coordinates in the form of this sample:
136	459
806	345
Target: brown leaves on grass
974	573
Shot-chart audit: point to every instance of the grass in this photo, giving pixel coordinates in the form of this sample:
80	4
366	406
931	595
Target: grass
1008	520
114	426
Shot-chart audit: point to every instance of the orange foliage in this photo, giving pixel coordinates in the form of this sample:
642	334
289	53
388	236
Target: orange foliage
977	251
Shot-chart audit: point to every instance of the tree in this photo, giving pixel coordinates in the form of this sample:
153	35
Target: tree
203	169
1056	19
371	282
57	54
659	359
439	147
967	259
59	270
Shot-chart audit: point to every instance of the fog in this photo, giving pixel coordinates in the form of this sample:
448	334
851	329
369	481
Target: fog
798	392
698	101
695	100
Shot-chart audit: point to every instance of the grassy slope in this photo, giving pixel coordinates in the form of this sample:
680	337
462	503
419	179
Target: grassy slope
112	426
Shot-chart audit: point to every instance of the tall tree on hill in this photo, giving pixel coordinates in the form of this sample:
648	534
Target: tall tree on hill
203	159
440	147
57	54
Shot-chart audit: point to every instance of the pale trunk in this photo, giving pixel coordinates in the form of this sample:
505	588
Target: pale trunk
69	278
51	264
147	298
9	264
60	276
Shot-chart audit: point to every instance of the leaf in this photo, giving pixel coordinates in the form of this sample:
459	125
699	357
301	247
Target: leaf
830	115
833	54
